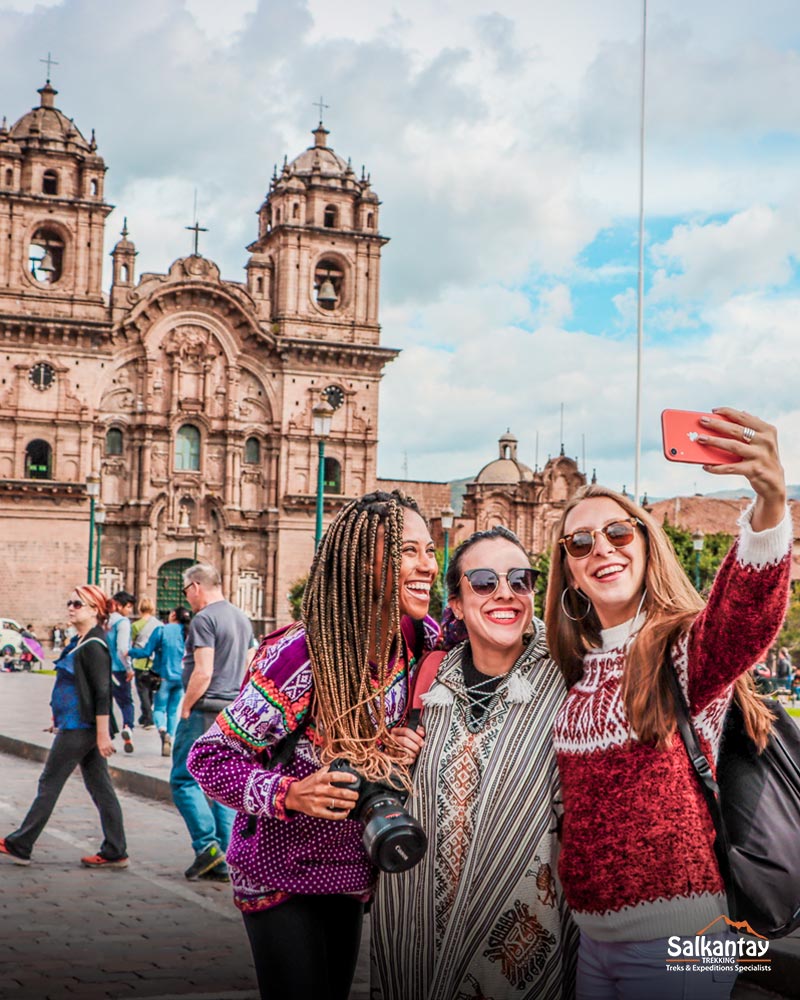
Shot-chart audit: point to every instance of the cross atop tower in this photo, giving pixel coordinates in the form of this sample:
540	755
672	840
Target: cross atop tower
196	229
322	106
50	63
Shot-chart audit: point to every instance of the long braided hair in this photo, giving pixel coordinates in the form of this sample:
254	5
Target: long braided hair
351	606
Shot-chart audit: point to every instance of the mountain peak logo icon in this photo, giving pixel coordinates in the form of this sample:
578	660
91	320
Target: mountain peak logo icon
737	925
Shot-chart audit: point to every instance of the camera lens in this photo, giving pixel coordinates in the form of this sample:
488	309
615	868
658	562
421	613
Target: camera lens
394	840
673	451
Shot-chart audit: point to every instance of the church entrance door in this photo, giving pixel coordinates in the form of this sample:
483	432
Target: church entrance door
170	585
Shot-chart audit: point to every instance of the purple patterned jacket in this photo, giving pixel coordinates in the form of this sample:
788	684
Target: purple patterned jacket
289	853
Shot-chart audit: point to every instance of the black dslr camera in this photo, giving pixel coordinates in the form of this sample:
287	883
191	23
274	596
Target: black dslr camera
393	840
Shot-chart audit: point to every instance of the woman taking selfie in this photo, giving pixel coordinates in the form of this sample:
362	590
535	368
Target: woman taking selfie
637	861
482	915
81	705
300	872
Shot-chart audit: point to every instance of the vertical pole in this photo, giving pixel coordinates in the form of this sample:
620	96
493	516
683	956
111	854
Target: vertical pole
640	290
195	548
697	570
320	491
445	565
91	540
97	563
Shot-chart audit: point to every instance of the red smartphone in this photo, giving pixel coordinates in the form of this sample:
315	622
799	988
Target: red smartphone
680	429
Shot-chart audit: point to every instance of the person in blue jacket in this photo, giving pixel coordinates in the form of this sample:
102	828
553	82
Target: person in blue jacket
165	645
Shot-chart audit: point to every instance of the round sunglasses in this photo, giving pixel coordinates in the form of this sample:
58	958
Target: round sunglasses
76	604
484	582
580	544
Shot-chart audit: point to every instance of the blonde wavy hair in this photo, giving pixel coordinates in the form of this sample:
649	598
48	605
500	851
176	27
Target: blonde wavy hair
671	604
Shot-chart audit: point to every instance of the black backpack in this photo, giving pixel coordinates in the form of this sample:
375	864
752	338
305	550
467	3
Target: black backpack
755	806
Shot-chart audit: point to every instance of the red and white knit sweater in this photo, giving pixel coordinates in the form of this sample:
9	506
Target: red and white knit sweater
637	859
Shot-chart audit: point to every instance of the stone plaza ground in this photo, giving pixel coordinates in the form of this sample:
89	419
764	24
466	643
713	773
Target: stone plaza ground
69	933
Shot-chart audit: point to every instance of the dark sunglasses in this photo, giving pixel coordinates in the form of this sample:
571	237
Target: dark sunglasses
76	604
484	582
579	544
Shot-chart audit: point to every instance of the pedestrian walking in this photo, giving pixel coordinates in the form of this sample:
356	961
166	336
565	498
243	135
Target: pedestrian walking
301	874
486	793
783	670
637	861
166	647
146	681
119	641
82	721
218	644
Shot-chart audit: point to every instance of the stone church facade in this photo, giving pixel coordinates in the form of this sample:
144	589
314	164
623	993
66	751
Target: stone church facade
188	395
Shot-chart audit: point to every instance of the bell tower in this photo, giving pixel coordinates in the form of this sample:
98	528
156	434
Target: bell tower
52	216
314	270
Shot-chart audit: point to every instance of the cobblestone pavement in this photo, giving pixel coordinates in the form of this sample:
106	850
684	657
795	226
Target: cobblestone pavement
69	933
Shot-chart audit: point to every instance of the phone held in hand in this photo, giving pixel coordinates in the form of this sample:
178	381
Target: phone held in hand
680	430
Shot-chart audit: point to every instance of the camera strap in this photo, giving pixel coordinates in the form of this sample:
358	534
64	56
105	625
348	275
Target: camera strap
282	753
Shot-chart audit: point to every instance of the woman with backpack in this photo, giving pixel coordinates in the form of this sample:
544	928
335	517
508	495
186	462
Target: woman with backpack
82	721
166	646
300	872
637	858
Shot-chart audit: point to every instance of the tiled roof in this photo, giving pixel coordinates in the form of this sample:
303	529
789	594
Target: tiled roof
714	514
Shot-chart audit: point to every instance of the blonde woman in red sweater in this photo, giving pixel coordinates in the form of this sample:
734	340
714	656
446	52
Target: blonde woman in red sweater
637	863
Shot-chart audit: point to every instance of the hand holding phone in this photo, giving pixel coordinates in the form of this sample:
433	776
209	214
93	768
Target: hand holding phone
680	431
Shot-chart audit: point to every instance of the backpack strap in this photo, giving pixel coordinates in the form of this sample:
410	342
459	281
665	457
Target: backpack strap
426	675
708	784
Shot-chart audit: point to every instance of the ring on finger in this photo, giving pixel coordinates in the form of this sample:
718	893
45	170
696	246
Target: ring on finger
748	434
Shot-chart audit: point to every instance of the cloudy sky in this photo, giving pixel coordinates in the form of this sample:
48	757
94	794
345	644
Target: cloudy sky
502	138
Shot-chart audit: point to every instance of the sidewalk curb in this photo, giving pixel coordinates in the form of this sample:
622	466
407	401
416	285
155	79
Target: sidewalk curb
125	780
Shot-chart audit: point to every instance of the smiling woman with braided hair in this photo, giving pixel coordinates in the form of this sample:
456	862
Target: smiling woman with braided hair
300	873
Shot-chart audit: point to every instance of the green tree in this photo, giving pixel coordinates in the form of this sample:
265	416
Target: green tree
715	548
295	595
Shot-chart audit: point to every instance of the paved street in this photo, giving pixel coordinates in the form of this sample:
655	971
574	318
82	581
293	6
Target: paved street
67	933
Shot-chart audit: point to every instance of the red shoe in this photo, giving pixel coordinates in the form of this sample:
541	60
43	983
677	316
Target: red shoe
6	851
98	861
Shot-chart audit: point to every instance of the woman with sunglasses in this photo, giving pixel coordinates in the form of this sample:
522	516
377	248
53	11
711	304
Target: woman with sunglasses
482	915
81	704
637	861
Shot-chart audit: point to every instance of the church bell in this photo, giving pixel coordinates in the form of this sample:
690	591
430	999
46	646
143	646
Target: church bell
327	293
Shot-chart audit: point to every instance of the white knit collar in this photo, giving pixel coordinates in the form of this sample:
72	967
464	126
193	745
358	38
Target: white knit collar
617	637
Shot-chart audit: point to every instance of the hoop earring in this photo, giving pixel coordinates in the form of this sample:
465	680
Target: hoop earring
572	618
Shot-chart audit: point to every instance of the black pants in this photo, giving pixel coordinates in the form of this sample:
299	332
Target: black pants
73	747
145	690
306	947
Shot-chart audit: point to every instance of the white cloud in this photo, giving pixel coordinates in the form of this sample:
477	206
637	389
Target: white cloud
751	250
501	139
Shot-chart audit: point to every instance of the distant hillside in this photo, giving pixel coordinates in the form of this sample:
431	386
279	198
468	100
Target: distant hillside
458	487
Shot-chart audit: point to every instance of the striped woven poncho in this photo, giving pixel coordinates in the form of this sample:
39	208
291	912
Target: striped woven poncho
482	915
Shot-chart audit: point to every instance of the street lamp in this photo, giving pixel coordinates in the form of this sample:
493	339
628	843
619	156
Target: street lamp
447	523
100	520
93	489
697	544
323	415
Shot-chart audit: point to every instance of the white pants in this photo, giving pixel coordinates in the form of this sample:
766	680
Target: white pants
637	970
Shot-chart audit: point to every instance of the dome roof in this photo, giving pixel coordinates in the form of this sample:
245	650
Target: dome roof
506	469
49	124
320	157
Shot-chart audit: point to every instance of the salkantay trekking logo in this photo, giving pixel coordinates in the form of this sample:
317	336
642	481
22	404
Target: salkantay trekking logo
719	952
